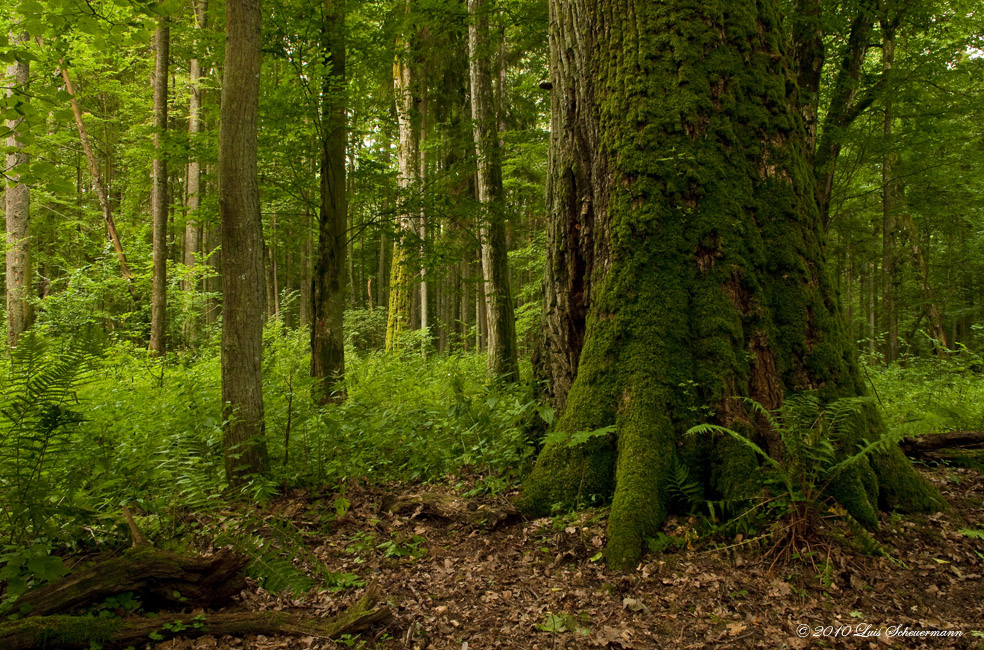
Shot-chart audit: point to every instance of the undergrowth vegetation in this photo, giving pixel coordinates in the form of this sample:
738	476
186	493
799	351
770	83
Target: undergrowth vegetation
928	394
87	428
83	433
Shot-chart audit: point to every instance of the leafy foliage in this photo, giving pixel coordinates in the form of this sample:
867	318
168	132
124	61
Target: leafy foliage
39	420
801	480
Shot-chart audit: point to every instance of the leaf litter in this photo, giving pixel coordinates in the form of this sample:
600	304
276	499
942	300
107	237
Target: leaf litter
470	573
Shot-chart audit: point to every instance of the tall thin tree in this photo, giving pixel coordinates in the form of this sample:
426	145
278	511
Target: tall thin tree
159	186
242	245
17	200
495	263
408	161
193	228
328	295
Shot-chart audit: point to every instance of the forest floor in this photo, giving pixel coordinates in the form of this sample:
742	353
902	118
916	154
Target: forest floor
539	584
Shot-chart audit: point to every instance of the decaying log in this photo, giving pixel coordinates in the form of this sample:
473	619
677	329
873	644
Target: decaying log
80	632
948	440
159	579
437	505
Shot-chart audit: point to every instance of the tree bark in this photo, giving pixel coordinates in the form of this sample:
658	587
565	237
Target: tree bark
495	263
81	632
242	246
714	285
946	440
327	338
158	198
154	574
577	242
399	318
193	227
842	109
422	178
808	60
304	300
891	191
17	204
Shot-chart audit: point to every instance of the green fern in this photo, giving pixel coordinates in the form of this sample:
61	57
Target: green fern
809	431
682	488
38	426
280	560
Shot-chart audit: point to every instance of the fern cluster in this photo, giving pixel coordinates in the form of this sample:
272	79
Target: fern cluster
813	436
279	558
39	425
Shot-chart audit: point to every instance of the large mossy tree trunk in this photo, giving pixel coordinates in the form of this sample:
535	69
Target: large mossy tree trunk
686	254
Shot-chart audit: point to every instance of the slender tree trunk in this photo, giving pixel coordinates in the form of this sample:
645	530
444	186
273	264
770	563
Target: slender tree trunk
933	316
399	318
193	227
17	201
96	177
305	302
872	308
495	263
159	187
211	237
381	275
242	246
422	219
843	109
464	307
327	339
274	267
891	192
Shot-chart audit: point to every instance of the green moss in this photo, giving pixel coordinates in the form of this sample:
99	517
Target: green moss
400	298
735	471
645	452
52	631
567	477
901	487
849	491
714	251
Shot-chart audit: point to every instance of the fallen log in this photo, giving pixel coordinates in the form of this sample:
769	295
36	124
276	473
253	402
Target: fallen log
951	439
68	632
437	505
159	578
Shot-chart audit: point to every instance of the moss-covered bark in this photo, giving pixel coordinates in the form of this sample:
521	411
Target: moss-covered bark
405	86
712	285
85	631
